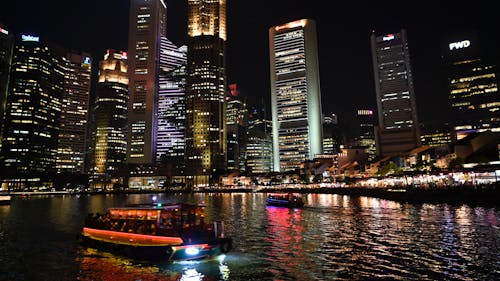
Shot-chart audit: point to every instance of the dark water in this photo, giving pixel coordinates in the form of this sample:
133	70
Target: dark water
332	238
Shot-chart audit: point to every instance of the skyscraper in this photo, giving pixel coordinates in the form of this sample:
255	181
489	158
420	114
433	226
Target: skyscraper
295	94
109	126
6	44
332	135
236	127
147	25
74	113
259	143
172	107
366	134
205	91
31	129
398	130
472	85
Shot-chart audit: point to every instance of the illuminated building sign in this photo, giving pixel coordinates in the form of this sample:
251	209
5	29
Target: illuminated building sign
365	112
293	24
28	38
388	37
86	60
459	45
4	31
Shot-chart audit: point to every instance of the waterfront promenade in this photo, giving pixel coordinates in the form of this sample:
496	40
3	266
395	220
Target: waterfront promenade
475	195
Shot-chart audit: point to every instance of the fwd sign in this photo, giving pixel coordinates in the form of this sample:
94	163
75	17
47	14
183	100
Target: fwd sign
459	45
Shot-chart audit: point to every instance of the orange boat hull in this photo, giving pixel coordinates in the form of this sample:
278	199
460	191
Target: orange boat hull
130	239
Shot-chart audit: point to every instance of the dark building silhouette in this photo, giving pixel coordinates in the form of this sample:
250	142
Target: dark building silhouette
398	130
6	45
332	135
236	127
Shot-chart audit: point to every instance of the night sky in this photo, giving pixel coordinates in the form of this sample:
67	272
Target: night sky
343	33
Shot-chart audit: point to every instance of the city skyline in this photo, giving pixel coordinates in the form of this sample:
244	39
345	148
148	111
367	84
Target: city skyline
343	38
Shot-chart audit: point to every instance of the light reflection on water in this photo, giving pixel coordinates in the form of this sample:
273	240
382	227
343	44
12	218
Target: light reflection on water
332	238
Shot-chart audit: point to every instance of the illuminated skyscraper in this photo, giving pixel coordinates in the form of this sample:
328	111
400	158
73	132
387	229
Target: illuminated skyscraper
332	136
398	130
31	129
473	86
206	91
147	27
172	106
75	104
259	143
366	133
295	94
109	130
6	44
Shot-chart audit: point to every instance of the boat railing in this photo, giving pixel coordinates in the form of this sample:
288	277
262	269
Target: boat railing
219	229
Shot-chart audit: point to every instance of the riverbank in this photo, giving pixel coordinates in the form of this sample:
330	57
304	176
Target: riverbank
472	195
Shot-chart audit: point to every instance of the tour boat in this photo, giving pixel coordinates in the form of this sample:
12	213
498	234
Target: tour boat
293	200
173	232
5	199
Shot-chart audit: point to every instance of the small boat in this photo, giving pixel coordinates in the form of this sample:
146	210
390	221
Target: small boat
291	200
5	199
170	232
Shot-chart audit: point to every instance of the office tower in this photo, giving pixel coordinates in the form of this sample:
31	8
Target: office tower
397	130
472	86
205	91
147	25
109	124
6	44
74	113
259	146
295	94
332	136
236	127
366	133
436	134
172	108
29	149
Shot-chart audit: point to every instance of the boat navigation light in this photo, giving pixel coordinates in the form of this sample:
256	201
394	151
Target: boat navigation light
192	251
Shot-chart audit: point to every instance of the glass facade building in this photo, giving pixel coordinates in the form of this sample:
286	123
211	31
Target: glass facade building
147	27
472	86
33	110
259	146
171	106
74	113
295	94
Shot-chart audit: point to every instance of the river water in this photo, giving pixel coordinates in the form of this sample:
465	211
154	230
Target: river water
333	237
